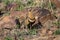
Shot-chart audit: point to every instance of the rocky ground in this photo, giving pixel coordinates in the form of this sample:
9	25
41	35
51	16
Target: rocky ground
9	31
10	27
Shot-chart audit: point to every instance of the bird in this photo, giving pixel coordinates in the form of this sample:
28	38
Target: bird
30	20
33	15
40	15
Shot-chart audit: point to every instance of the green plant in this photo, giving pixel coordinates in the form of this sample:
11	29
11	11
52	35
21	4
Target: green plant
57	23
51	5
7	13
8	38
32	32
57	32
21	5
6	1
11	1
21	38
30	3
18	26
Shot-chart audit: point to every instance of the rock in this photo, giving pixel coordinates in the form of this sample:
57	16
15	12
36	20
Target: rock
51	38
57	37
43	32
41	38
2	6
50	32
6	19
7	22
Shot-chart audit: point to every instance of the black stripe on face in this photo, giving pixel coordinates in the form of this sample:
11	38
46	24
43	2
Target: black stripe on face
31	19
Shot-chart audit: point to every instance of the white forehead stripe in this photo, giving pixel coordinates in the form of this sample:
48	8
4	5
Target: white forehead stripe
36	17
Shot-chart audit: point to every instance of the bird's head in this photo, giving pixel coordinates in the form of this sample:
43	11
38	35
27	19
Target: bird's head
31	17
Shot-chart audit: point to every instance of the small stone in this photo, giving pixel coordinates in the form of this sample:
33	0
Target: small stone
50	33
